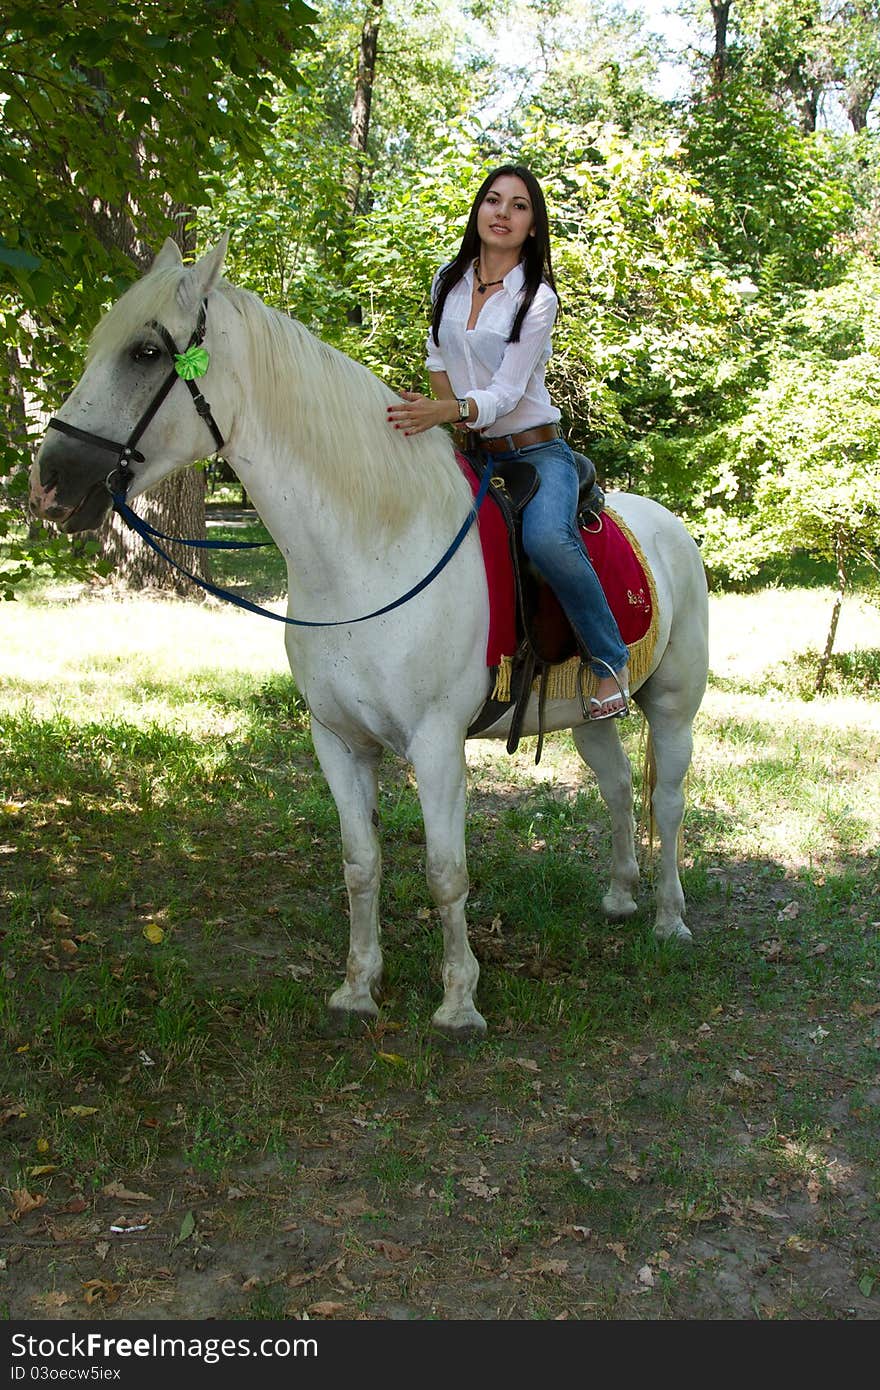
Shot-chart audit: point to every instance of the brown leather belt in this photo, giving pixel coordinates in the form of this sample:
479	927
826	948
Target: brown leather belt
506	443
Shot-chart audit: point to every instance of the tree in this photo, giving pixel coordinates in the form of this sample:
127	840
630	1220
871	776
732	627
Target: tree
801	470
93	158
720	19
777	197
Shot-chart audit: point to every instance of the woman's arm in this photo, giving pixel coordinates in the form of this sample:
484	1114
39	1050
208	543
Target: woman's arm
416	413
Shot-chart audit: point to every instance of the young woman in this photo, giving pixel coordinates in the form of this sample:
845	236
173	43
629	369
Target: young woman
494	309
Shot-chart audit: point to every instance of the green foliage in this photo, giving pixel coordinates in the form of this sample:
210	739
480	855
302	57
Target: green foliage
801	468
690	241
775	194
111	118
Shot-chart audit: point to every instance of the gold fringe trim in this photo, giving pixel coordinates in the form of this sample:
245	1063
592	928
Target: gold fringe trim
562	680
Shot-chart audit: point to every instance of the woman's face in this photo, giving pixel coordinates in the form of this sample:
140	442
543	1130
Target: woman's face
505	218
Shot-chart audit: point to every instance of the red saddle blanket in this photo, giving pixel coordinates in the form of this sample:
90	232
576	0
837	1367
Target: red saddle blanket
620	571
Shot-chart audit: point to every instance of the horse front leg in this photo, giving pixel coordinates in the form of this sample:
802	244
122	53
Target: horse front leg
352	775
438	761
600	747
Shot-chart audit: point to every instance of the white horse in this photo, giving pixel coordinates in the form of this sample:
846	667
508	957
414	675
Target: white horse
361	513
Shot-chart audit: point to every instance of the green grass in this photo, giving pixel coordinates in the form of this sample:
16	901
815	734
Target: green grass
630	1104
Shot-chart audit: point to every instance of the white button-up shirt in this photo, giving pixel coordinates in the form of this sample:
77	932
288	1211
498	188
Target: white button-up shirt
505	380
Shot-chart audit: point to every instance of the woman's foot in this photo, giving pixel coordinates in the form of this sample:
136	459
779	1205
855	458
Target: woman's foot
611	700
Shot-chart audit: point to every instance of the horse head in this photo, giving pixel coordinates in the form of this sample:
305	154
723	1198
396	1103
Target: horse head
116	432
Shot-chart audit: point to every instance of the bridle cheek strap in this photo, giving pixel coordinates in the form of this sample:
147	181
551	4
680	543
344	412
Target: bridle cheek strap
127	452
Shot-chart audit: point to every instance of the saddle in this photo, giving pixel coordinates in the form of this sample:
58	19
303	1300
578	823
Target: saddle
544	635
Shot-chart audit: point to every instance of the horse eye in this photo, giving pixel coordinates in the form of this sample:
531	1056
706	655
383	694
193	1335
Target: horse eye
146	352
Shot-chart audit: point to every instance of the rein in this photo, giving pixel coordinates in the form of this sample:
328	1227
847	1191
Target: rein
191	363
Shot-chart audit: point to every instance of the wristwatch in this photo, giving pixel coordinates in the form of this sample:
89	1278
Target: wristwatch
464	409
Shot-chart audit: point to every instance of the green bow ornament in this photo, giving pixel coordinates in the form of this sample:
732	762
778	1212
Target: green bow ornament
192	363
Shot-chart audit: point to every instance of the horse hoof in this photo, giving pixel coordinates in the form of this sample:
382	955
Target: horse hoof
619	907
465	1025
676	932
345	1007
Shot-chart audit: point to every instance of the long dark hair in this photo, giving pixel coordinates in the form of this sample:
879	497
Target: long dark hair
535	253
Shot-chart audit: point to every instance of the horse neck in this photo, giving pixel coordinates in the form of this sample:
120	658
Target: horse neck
324	470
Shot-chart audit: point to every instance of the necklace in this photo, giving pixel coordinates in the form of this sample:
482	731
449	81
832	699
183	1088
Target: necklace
484	285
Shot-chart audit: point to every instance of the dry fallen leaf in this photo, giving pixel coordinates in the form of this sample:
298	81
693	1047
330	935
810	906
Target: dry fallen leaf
772	949
99	1291
24	1201
480	1189
865	1010
557	1267
646	1276
81	1111
390	1250
764	1209
326	1309
51	1302
740	1079
122	1193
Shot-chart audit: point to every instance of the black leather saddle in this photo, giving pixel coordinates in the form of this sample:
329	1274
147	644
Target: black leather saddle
544	635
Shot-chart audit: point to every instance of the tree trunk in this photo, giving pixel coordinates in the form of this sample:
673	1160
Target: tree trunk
176	506
858	103
360	119
363	99
840	555
806	100
720	17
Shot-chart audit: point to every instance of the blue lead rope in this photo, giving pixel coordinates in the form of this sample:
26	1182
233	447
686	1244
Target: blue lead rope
151	537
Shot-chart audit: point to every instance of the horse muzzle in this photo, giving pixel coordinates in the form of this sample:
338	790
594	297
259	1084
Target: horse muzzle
68	484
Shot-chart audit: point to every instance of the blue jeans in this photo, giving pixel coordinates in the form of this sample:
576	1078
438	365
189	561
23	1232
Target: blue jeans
554	545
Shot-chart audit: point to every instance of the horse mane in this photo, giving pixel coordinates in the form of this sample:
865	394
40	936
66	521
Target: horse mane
331	408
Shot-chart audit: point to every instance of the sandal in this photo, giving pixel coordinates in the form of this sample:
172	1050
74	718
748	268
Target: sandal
611	707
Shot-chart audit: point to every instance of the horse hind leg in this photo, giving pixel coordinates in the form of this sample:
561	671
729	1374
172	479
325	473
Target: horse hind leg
672	742
352	775
438	760
599	745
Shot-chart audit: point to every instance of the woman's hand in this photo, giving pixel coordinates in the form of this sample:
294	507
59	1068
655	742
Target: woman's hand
417	413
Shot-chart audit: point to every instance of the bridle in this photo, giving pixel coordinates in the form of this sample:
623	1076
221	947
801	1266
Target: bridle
119	479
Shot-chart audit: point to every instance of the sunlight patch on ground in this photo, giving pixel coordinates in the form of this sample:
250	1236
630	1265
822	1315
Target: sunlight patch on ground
748	633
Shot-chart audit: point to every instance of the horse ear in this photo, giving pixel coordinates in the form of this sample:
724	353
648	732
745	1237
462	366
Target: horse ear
168	257
201	278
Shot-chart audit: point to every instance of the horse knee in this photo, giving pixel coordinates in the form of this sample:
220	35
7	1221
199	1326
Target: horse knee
361	875
447	880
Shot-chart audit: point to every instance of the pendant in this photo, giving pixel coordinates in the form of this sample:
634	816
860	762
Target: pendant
481	289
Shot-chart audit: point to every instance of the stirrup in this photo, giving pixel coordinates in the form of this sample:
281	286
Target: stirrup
598	707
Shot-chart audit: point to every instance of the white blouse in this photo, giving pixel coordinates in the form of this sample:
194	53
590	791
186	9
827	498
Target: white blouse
505	380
